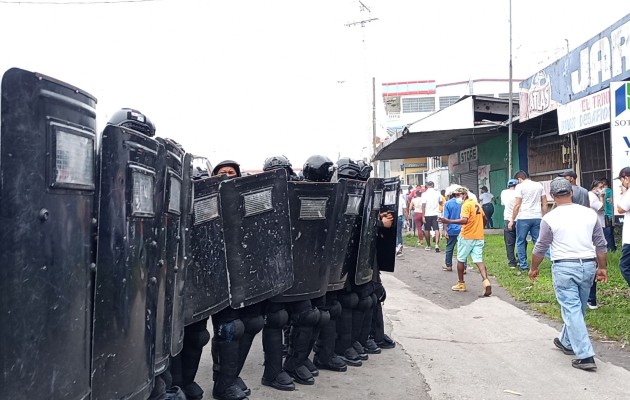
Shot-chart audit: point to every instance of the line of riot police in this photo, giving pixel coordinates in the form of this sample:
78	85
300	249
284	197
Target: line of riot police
115	252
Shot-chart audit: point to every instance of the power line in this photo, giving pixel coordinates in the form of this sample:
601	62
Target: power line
66	3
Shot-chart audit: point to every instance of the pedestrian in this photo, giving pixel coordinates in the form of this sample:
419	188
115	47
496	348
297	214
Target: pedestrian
452	210
487	203
431	200
609	224
471	241
402	216
416	208
530	205
623	207
575	238
596	202
508	197
580	195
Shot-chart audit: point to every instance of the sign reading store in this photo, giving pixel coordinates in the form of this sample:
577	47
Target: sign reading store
468	155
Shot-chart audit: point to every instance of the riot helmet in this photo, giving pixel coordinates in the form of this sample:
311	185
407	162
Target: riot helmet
318	168
134	120
366	170
229	167
278	162
347	168
201	167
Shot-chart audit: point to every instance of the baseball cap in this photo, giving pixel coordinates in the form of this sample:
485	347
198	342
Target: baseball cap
625	171
560	187
512	182
568	172
461	190
450	189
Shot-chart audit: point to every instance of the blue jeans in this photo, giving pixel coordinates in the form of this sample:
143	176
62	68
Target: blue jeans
523	228
609	234
572	282
399	229
450	247
624	262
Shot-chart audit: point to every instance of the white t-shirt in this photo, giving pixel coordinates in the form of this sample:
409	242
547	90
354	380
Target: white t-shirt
624	203
417	204
597	206
508	196
432	200
486	198
530	192
402	205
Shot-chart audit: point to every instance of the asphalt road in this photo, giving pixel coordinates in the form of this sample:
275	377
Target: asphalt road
455	346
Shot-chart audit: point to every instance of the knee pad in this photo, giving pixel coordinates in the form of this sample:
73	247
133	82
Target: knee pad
306	318
374	299
197	339
335	310
230	331
324	317
365	304
349	300
277	319
253	325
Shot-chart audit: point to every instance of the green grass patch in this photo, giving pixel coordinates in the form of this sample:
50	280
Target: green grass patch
612	318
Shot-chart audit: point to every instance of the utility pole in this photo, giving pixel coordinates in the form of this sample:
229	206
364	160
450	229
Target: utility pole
510	105
362	23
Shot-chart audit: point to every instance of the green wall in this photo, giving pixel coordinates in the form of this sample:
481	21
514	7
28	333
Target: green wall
494	152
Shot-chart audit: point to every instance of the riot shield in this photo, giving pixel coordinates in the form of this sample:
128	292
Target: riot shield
168	189
184	258
256	228
366	257
47	147
347	214
386	242
206	289
126	276
313	227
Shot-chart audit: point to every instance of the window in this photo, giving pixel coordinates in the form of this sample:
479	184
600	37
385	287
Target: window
446	101
418	104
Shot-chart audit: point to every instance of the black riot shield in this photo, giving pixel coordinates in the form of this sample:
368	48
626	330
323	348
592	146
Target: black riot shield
313	227
386	242
168	189
256	228
347	214
206	289
47	148
184	256
126	276
366	257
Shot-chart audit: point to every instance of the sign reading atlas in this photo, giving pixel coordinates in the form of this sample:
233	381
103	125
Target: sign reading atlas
586	70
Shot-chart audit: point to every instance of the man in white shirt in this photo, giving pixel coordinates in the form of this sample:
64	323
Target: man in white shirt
623	206
575	238
402	217
431	200
529	207
508	197
487	204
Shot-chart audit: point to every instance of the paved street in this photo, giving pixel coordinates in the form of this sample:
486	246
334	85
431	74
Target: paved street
456	346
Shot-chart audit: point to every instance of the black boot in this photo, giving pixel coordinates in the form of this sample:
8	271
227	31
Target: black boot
225	370
294	363
335	364
273	374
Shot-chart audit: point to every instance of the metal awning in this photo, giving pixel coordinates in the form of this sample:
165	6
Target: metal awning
470	121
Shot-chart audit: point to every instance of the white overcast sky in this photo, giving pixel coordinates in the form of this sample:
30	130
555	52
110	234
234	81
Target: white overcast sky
249	79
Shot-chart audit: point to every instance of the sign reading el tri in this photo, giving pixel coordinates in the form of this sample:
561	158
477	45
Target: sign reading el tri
622	99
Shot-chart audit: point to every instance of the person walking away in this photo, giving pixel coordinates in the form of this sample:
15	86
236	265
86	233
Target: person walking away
596	202
402	216
487	203
609	225
471	241
623	207
452	210
416	208
508	197
575	238
431	200
580	195
530	205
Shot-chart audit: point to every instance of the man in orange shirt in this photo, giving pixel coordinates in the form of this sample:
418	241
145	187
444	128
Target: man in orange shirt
470	242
